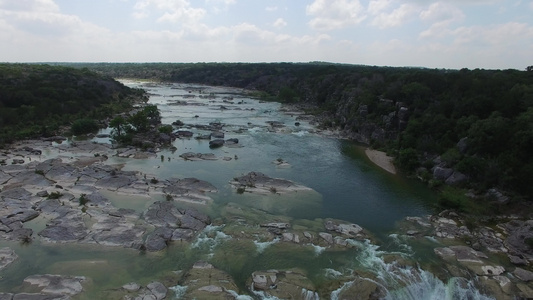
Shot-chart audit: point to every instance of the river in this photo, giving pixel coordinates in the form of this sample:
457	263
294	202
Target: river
347	186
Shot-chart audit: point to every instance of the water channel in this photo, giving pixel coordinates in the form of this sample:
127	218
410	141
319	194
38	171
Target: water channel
347	186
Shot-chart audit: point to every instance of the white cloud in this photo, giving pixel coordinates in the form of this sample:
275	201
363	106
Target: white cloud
218	6
439	12
335	14
271	8
29	5
397	17
169	10
442	15
279	23
499	35
377	6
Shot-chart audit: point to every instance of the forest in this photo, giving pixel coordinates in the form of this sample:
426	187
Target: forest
474	124
43	100
477	124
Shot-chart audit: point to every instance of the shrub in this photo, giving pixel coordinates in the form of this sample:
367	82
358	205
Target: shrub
83	199
166	129
54	195
241	190
408	159
83	126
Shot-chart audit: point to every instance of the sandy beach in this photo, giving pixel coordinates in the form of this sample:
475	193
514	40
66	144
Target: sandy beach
381	159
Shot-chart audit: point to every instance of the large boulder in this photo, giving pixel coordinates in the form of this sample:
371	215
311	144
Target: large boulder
520	235
456	178
441	173
216	143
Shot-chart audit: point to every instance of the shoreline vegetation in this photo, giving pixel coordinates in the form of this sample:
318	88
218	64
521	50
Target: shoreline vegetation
449	128
115	227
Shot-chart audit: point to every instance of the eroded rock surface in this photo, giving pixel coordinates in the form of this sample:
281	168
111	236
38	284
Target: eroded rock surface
256	182
172	224
7	256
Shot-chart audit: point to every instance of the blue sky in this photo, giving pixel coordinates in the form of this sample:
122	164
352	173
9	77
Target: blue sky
489	34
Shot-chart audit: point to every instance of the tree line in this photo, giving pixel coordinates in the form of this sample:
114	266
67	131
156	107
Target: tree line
40	100
477	122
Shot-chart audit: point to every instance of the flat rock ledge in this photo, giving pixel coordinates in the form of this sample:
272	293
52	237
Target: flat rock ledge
67	193
49	287
259	183
172	224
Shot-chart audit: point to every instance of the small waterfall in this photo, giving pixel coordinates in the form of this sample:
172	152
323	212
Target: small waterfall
318	249
398	242
331	273
210	237
408	282
239	297
261	246
179	291
263	296
309	295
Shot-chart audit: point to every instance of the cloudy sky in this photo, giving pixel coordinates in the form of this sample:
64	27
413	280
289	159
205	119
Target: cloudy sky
490	34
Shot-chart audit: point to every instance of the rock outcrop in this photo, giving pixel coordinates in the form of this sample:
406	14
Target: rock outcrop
256	182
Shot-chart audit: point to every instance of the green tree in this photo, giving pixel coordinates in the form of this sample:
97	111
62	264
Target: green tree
139	121
152	113
120	128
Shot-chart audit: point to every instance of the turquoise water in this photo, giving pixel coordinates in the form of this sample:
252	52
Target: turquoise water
351	187
346	186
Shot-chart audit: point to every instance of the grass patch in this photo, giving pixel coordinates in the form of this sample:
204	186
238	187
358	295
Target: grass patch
455	198
83	199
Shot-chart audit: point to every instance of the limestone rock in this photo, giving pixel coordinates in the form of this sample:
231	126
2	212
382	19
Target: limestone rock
158	290
204	281
57	284
256	182
158	239
131	287
7	256
523	275
282	284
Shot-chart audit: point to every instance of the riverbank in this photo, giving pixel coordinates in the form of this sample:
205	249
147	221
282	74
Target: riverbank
381	159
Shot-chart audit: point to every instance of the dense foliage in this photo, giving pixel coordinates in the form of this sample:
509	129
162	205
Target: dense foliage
124	128
37	100
476	122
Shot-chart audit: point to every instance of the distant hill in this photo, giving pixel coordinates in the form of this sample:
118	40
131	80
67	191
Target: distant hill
37	100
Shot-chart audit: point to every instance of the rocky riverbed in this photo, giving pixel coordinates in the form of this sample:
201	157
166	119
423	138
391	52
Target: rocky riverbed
242	233
67	192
